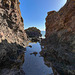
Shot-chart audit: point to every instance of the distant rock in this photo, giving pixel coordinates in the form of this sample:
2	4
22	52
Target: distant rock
33	32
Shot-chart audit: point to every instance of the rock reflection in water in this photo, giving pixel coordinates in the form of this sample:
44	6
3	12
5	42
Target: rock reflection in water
36	65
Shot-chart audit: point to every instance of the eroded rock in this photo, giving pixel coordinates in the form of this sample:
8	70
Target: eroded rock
60	37
12	35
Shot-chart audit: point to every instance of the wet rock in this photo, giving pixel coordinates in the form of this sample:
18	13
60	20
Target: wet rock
11	58
12	35
35	53
30	46
12	72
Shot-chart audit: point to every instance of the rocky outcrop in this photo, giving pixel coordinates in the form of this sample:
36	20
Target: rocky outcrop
60	37
11	22
12	34
33	32
61	21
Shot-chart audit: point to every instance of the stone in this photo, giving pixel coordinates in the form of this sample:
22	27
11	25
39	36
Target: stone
30	46
35	53
11	22
60	37
12	34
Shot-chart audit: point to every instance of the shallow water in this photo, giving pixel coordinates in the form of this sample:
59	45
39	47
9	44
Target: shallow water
34	64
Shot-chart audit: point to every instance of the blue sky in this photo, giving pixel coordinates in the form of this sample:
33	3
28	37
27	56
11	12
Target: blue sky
34	12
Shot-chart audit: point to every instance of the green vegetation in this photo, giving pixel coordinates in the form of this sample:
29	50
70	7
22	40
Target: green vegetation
33	32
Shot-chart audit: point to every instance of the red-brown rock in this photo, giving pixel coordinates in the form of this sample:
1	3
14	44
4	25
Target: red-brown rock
61	20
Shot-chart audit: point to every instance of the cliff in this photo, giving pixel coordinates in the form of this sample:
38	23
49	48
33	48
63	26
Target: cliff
60	37
62	21
11	22
12	34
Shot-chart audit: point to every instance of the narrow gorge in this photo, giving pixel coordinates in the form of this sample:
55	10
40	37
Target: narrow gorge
52	55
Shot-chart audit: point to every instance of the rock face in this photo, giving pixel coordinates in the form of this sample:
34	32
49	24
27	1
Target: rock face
60	36
12	34
62	21
11	22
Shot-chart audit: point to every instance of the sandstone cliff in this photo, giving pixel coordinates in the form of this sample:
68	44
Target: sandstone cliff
12	34
60	36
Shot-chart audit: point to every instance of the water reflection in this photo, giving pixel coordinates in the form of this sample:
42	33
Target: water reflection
34	64
29	63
